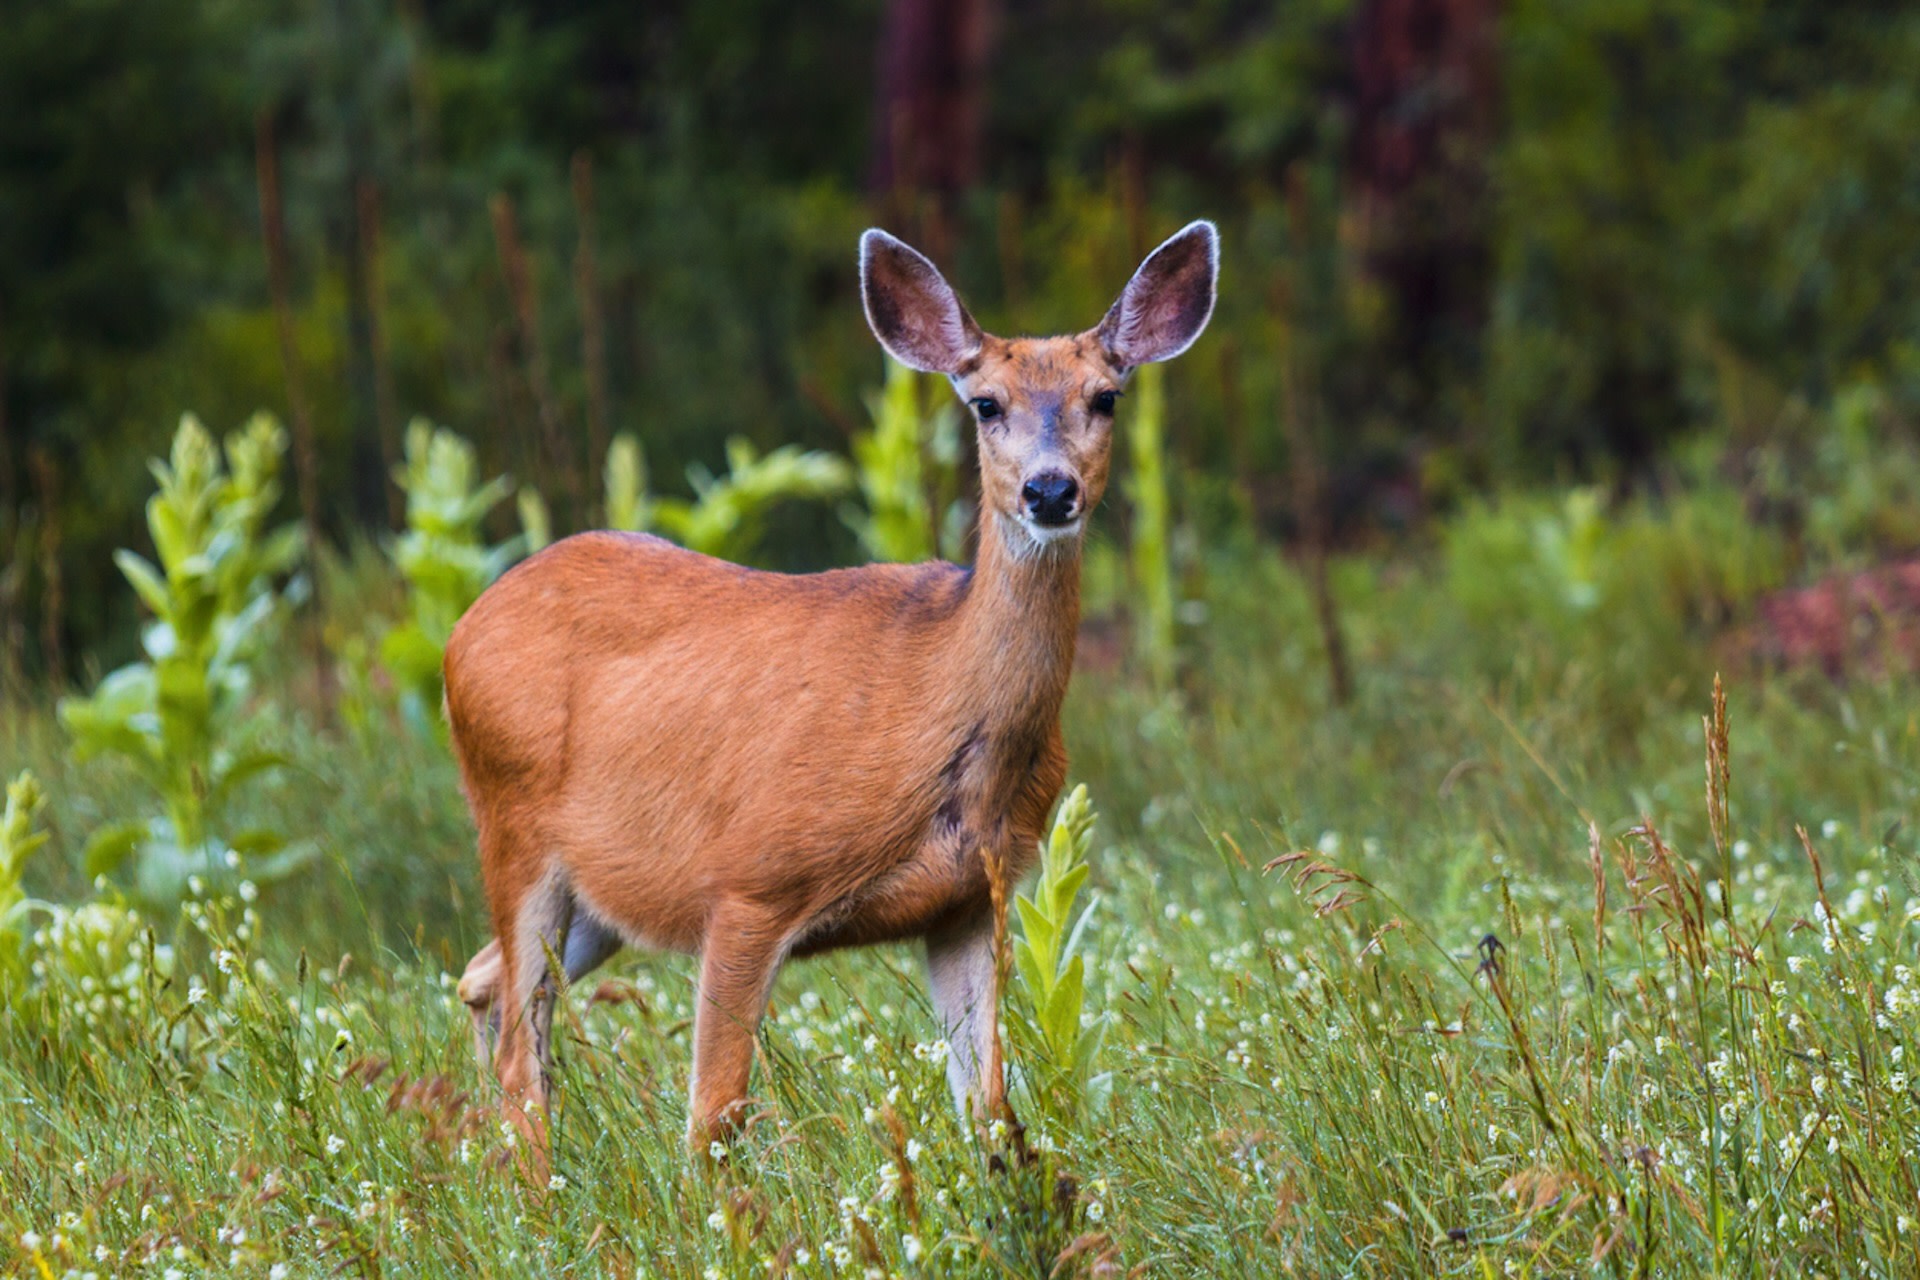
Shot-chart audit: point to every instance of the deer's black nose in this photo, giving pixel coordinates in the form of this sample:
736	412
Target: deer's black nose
1051	498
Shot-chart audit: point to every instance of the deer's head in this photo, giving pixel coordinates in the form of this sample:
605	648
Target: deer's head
1044	406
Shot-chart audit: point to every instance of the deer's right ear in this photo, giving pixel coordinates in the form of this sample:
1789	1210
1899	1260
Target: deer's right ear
912	309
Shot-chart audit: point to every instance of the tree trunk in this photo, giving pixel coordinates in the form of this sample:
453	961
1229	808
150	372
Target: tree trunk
306	457
930	111
1426	102
366	214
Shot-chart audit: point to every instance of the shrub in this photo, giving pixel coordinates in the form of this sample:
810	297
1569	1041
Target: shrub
1152	533
444	560
176	717
907	469
728	514
25	798
629	505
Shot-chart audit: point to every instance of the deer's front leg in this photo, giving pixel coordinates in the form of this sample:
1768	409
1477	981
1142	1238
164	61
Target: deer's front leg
961	977
742	953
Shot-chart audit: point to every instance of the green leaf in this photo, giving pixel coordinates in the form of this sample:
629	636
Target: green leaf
111	846
279	866
1033	975
1036	925
146	580
257	842
231	773
1062	1017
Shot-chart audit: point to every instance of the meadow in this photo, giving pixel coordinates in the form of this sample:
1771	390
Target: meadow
1535	958
1495	704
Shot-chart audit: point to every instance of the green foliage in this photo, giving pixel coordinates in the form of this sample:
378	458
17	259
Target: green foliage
728	514
1869	467
18	840
906	468
1059	1043
84	967
1596	201
91	970
444	559
629	504
1152	551
536	521
1311	1073
176	718
1614	593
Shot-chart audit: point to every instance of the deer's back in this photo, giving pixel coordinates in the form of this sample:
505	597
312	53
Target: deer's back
625	704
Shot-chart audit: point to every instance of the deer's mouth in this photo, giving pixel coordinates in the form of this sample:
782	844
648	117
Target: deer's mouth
1046	534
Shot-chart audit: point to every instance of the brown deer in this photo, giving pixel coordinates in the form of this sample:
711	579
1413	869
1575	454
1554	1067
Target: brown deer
670	751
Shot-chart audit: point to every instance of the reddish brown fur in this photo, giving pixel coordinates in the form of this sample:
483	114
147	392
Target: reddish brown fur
753	765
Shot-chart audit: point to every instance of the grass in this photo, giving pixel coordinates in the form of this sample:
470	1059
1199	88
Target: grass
1476	976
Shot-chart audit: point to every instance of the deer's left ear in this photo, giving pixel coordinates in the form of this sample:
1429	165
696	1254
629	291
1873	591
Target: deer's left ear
1168	301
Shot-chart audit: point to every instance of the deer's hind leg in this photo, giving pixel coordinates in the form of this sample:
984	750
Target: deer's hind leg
529	927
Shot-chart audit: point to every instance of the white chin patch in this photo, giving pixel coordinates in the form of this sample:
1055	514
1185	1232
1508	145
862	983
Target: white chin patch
1024	537
1053	532
1045	535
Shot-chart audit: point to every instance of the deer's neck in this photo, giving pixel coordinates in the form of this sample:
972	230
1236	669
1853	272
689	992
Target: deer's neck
1017	628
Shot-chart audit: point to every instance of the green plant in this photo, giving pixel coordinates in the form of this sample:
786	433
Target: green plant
728	513
912	442
1060	1046
176	717
536	521
18	839
629	505
444	559
84	964
1152	533
1868	488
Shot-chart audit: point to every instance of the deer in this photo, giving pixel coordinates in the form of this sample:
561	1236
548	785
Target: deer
670	751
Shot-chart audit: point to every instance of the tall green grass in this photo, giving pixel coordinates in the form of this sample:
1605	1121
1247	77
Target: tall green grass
1532	960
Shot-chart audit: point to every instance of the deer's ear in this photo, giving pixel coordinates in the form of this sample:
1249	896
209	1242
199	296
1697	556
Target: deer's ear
1168	301
912	309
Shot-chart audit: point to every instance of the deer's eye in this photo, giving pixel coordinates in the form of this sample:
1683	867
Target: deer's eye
986	406
1104	402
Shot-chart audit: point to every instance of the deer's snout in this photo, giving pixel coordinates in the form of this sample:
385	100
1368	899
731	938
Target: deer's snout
1051	498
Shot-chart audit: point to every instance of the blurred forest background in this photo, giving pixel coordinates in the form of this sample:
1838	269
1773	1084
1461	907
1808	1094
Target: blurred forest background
1468	246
